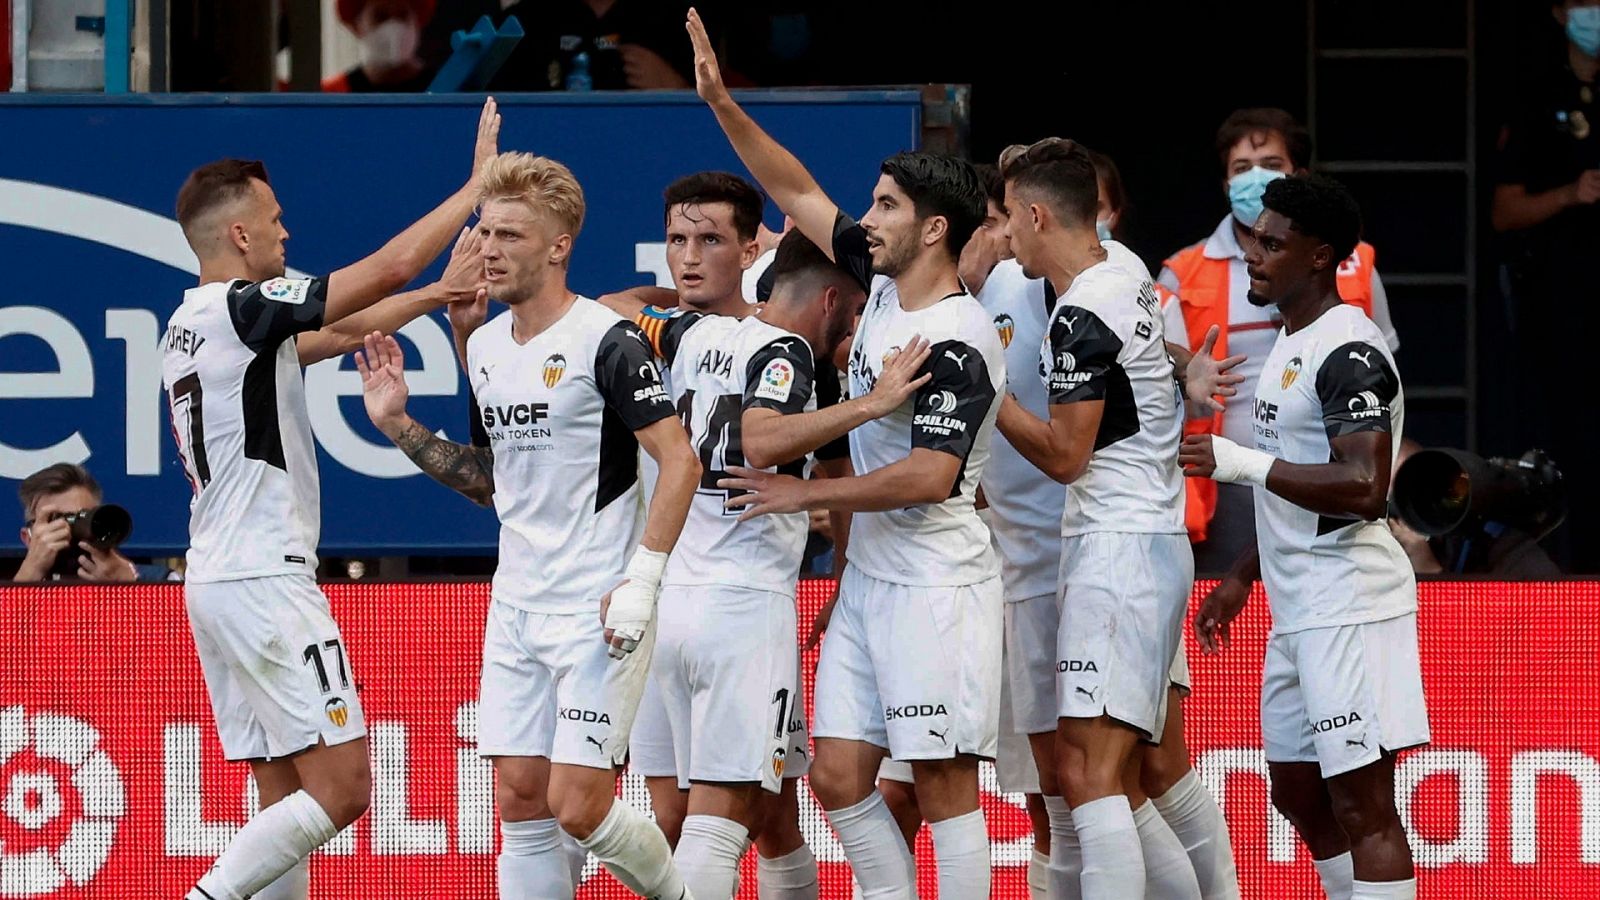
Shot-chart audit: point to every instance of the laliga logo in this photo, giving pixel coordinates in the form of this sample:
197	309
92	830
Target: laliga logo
61	798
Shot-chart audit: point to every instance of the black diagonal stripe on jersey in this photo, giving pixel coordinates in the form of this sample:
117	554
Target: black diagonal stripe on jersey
1357	388
1085	365
263	323
1120	420
619	459
948	411
263	439
828	394
1330	524
850	250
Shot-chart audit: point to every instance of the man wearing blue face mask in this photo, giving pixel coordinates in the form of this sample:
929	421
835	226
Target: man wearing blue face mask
1255	147
1547	206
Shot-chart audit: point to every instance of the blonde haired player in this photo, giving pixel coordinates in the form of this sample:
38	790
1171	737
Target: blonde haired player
565	391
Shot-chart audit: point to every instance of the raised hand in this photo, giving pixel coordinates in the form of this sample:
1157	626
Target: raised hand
463	274
487	146
707	74
766	492
1208	378
383	382
899	380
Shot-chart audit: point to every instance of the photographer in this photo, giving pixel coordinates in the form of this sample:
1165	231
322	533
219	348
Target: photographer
52	500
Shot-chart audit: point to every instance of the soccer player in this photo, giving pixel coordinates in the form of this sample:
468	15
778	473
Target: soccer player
566	391
1126	569
1341	689
727	659
274	662
912	661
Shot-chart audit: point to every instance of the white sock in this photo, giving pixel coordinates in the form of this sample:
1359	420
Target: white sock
635	852
1384	890
577	857
872	843
961	851
792	876
708	854
1196	819
1338	874
1168	875
1113	864
1066	857
294	884
533	863
270	844
1039	876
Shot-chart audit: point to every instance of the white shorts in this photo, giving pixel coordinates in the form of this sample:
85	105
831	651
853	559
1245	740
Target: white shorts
275	665
1014	769
913	669
1124	599
1341	696
543	690
650	752
727	668
1031	626
1179	673
895	770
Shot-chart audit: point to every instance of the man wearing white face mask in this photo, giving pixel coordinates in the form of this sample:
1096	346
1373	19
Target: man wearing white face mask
1255	147
389	32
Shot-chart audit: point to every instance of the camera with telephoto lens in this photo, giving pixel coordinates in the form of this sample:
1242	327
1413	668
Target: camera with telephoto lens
1440	492
105	526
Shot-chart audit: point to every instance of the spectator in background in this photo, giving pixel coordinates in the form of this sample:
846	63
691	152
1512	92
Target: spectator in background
49	497
601	45
390	32
1545	202
1254	146
1113	206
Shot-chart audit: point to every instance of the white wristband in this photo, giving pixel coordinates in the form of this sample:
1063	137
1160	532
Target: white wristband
646	567
1239	465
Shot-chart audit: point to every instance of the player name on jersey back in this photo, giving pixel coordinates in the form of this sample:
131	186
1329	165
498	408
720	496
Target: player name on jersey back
1334	377
560	410
1106	343
720	367
236	396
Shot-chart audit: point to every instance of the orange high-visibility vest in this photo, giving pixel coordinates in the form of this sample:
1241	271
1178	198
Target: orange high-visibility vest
1203	294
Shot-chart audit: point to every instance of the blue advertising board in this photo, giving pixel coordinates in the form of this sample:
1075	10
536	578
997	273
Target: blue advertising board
94	263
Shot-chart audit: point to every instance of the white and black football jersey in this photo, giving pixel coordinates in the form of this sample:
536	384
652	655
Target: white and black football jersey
719	367
1024	503
937	544
236	395
1106	343
1331	378
560	411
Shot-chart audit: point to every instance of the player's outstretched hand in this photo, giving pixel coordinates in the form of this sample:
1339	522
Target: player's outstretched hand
487	146
1217	611
768	492
707	74
463	275
1208	377
383	381
899	378
1196	457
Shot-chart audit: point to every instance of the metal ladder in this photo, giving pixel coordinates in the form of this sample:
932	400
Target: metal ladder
1437	399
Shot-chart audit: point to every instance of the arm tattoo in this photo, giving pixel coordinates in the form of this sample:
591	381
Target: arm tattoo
466	470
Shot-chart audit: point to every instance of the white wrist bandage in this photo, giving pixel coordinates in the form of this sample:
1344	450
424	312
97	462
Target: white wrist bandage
1239	465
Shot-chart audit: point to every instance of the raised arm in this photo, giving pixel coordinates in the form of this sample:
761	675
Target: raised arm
461	283
779	173
467	470
630	302
359	285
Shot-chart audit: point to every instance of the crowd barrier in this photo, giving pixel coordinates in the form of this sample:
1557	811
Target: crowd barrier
112	783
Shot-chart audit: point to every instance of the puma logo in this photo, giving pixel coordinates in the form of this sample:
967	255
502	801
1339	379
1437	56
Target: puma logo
485	371
589	738
1069	323
960	361
1080	689
1353	743
939	735
785	346
1364	357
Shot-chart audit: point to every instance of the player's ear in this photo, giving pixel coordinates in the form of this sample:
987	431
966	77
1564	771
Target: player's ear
237	235
934	229
830	301
1322	258
26	535
561	250
749	253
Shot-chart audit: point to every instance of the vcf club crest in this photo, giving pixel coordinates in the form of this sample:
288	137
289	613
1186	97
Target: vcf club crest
338	712
553	367
1007	328
1290	373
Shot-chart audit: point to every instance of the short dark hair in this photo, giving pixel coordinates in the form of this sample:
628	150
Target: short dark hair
1261	120
52	480
994	187
719	187
215	183
798	260
1319	207
1105	169
1062	171
940	185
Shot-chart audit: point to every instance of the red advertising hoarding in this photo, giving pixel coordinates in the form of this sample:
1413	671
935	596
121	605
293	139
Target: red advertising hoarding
112	783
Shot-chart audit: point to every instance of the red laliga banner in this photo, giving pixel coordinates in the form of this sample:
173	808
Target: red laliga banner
112	784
